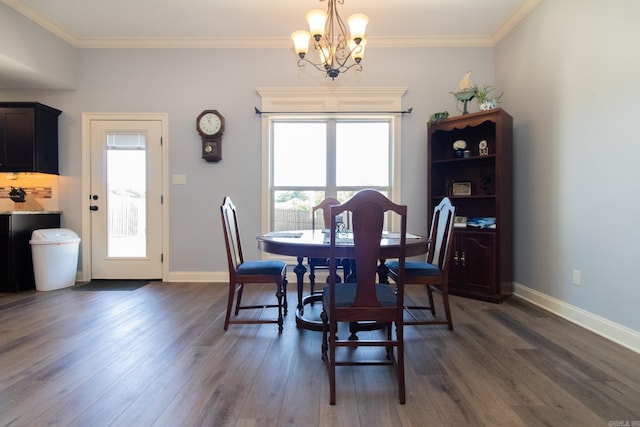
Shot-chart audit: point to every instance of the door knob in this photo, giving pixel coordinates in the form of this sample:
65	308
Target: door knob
93	208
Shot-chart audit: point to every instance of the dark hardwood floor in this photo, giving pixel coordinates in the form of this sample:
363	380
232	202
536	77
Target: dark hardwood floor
158	356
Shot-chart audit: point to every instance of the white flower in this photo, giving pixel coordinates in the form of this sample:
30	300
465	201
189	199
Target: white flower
459	145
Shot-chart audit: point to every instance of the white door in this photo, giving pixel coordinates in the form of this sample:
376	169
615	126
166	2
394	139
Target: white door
126	199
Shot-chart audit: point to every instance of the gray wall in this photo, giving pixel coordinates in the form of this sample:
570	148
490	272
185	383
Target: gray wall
34	58
184	82
570	88
570	75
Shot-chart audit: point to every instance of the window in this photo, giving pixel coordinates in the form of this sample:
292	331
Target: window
315	159
309	155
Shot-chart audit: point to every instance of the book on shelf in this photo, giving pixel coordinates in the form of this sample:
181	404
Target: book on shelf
481	222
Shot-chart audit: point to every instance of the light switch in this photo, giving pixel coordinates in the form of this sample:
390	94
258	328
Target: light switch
179	179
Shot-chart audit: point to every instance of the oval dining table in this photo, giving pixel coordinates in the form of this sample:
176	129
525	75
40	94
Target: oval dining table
315	244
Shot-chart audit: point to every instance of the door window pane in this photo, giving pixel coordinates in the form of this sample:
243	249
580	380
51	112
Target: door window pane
126	195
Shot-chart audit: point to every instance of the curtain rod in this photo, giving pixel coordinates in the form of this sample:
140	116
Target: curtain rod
258	112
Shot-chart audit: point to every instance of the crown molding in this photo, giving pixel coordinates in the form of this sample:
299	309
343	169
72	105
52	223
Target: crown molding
271	43
514	20
263	43
42	20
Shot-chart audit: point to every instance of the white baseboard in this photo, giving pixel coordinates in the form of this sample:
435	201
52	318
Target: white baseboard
198	276
615	332
184	276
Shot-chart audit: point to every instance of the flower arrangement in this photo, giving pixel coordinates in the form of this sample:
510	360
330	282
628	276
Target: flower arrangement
436	117
483	94
486	99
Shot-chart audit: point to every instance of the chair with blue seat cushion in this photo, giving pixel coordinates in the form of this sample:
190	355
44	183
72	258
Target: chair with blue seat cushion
243	272
366	300
434	271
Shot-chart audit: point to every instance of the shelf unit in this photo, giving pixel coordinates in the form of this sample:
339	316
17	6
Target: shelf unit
481	264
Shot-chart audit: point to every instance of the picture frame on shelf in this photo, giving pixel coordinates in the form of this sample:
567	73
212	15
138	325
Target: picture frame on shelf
462	188
459	221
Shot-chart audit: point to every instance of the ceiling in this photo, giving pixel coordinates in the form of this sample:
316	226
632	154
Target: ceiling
268	23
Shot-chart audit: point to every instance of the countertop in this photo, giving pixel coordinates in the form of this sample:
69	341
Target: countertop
28	212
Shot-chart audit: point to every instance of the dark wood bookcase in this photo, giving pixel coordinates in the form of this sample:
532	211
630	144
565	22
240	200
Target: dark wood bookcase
482	264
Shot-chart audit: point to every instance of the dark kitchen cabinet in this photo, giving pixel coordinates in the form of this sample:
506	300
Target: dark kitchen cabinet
28	137
479	183
16	265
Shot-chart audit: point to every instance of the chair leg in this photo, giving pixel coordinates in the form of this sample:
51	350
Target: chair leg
329	353
400	364
325	326
431	304
232	293
332	363
279	297
447	310
239	290
285	305
389	327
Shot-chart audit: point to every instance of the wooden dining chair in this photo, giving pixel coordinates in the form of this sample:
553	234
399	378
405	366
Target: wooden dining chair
366	300
322	263
434	271
243	272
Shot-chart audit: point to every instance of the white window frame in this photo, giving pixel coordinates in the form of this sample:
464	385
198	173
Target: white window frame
320	103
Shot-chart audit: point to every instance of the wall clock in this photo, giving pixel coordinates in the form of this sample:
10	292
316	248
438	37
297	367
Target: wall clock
210	126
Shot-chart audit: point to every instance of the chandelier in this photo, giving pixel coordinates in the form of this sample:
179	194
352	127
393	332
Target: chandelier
337	49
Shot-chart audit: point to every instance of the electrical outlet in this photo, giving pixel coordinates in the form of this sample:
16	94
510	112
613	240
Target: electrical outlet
576	277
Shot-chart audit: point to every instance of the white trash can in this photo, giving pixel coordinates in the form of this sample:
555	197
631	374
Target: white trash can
55	258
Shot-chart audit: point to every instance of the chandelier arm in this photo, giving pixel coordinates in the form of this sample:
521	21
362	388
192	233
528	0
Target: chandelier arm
344	68
319	67
339	65
341	62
